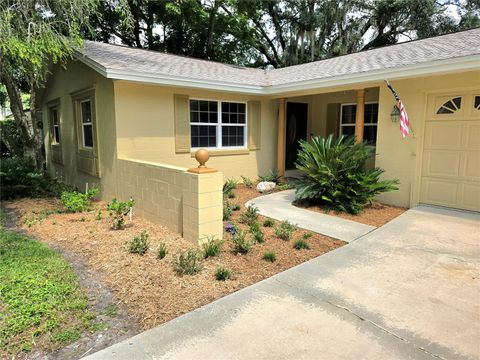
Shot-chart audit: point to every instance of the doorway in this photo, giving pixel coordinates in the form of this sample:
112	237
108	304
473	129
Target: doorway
297	116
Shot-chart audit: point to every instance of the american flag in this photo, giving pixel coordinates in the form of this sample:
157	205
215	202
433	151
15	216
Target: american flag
404	122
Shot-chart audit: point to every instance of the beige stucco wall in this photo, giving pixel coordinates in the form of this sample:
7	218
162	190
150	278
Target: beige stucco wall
145	129
402	158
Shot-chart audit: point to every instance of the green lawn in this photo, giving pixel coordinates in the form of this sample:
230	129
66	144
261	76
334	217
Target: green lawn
41	303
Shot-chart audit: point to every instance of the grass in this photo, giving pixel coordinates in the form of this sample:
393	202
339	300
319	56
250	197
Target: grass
269	256
222	273
41	302
301	244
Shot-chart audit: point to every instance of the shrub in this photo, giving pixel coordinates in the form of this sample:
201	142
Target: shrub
117	211
269	223
139	244
162	251
188	263
285	230
269	256
247	182
301	244
98	215
306	236
75	201
211	247
285	186
235	207
271	176
254	227
249	216
229	186
335	174
222	273
241	244
258	237
227	211
231	195
19	178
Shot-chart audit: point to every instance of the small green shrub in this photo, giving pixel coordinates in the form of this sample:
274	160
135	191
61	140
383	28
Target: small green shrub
98	215
235	207
162	251
285	230
269	223
269	256
240	242
188	263
211	247
249	216
258	237
271	176
222	273
75	201
254	227
231	195
306	236
301	244
335	174
247	182
285	186
139	244
118	210
111	310
229	186
227	211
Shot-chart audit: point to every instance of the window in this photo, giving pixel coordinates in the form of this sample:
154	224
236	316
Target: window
450	106
217	124
55	121
347	121
476	102
87	126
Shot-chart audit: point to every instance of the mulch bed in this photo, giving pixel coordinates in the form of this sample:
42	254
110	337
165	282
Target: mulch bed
147	287
377	214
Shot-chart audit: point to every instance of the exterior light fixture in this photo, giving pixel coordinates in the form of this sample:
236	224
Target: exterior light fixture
395	114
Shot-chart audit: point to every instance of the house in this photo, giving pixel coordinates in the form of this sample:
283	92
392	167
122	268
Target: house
130	121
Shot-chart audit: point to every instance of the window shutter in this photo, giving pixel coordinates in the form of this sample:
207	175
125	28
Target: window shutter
333	119
182	124
254	125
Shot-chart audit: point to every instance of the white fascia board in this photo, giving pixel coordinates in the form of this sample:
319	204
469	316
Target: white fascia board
465	63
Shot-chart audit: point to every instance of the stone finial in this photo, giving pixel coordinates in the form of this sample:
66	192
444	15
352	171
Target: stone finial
202	156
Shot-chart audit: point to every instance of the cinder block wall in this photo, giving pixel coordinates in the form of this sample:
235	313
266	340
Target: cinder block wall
186	202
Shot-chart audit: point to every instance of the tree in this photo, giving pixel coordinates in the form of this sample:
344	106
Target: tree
34	34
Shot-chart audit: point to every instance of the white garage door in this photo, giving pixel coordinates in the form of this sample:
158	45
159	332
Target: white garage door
451	156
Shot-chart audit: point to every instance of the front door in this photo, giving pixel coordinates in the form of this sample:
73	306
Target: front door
297	114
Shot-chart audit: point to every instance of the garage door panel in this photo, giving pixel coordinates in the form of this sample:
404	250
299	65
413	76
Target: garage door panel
472	165
471	196
439	191
472	135
442	163
443	135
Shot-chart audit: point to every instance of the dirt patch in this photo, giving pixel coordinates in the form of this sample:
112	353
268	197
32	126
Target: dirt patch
377	214
146	286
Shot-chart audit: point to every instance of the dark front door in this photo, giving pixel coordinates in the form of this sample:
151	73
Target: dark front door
296	130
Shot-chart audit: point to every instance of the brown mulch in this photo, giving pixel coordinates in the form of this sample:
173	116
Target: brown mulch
148	287
377	214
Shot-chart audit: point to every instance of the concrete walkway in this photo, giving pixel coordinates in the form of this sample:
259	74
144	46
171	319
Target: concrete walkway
409	290
279	206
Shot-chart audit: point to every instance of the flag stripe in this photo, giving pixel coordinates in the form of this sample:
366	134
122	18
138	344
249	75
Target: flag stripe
404	122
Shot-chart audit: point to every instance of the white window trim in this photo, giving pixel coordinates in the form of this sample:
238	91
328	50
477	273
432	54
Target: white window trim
87	123
353	125
219	125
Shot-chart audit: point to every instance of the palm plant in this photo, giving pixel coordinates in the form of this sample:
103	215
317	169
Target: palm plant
335	176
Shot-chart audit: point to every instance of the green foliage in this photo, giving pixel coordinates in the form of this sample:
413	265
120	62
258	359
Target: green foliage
139	244
41	298
306	236
258	237
247	182
18	178
254	227
162	251
211	247
271	176
188	263
75	201
222	273
236	207
118	210
335	175
285	186
240	243
285	230
249	216
269	223
229	186
227	210
111	310
98	215
301	244
269	256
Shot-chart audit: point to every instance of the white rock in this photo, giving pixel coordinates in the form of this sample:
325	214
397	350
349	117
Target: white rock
265	186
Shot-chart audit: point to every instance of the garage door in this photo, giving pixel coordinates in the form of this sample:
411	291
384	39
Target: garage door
451	156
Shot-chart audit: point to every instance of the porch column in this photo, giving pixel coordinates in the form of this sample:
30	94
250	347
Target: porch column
360	115
281	137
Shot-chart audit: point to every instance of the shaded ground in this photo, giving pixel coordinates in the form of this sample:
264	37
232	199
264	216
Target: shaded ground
145	286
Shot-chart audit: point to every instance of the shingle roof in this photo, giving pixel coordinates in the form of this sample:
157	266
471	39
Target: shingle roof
121	58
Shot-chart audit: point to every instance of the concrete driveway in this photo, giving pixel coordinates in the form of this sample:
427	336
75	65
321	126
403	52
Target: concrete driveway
408	290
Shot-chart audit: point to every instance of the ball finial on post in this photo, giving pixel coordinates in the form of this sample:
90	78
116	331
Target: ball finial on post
202	156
